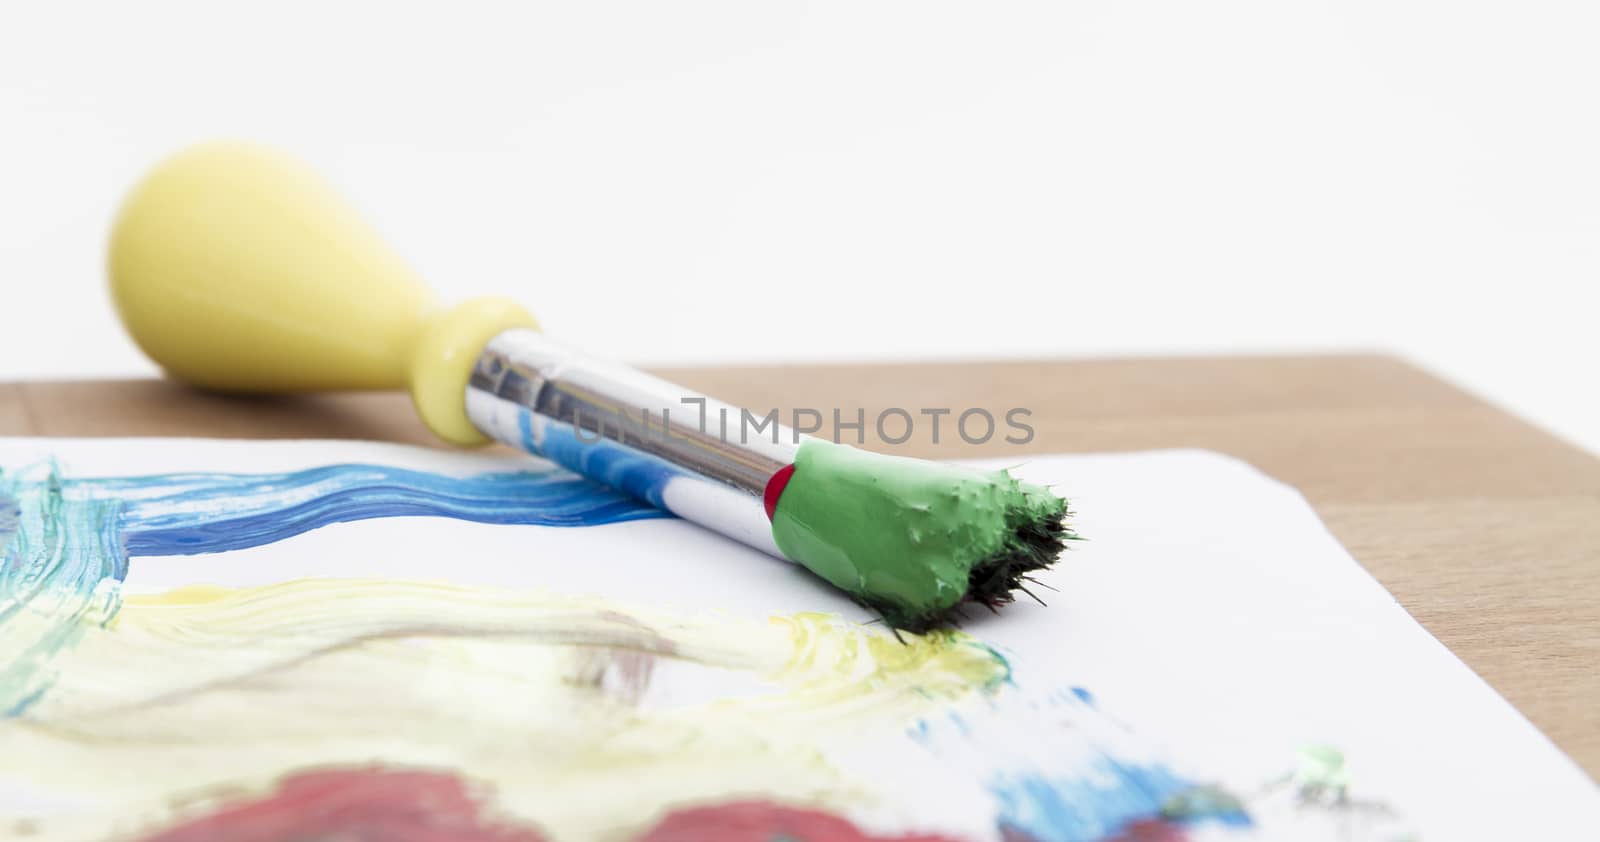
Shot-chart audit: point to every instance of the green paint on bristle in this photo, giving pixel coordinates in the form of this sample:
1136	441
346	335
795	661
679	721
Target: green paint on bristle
911	538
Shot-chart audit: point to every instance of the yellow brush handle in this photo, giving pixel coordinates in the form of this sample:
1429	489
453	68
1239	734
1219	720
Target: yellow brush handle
238	268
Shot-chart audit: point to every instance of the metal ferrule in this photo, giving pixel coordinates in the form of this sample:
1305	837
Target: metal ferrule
698	458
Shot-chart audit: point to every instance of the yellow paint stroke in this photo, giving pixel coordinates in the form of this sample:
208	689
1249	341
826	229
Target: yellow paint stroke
585	716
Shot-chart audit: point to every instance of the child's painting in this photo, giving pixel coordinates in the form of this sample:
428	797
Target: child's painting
328	641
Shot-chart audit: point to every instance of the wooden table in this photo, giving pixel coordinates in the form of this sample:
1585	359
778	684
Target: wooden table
1485	528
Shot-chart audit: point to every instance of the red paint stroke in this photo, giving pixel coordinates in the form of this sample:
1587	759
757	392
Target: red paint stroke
775	486
761	821
1139	830
354	805
1151	830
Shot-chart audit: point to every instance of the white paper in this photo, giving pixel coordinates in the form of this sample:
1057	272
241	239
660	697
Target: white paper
1208	609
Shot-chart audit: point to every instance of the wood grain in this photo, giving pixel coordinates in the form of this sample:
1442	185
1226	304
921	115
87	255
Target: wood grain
1485	528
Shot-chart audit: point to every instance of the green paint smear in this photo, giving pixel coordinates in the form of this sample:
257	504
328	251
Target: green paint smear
913	538
61	562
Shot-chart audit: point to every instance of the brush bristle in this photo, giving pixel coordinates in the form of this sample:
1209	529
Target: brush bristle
1035	544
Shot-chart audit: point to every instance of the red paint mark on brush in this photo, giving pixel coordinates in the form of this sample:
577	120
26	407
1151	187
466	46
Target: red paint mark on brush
354	805
760	821
775	487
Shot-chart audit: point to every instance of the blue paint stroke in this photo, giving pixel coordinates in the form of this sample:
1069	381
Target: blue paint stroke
1099	801
213	513
1060	770
65	542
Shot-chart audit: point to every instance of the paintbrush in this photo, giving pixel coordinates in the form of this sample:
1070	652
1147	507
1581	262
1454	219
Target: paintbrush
237	268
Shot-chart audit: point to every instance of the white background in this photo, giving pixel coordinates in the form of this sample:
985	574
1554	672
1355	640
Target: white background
700	182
